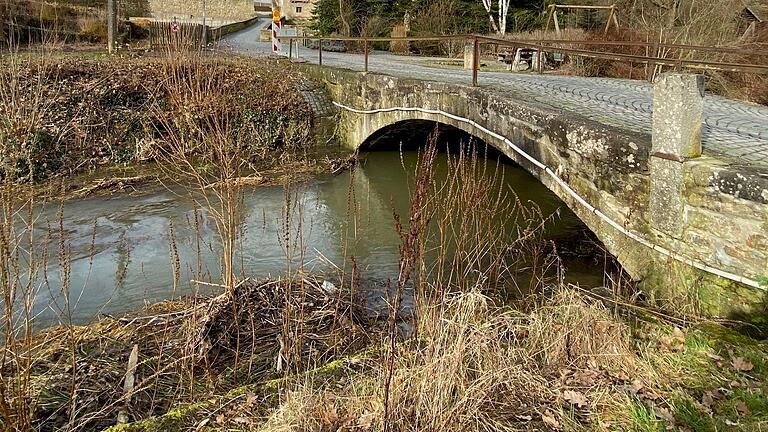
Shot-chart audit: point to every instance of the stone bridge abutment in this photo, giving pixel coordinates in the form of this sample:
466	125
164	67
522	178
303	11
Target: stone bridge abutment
686	224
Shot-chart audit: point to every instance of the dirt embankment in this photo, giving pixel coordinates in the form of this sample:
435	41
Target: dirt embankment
67	117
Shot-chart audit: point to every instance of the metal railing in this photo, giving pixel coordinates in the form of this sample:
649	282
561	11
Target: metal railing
585	49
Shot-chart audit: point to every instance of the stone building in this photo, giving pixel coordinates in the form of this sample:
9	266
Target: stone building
216	11
298	11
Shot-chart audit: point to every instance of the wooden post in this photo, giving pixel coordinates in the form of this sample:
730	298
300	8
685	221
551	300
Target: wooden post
608	21
549	17
365	51
539	56
557	22
290	48
475	60
111	24
320	51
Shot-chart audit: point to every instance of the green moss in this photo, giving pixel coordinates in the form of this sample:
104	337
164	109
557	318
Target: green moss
677	287
688	414
174	419
644	419
268	391
753	398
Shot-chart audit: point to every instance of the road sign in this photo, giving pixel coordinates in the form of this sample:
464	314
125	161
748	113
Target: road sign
277	45
174	26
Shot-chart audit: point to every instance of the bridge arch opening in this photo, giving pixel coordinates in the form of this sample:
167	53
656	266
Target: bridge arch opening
578	247
412	135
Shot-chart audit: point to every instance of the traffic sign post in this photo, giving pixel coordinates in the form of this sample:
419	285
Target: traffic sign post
276	27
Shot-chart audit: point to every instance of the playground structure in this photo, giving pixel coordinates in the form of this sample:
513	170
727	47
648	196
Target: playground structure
554	18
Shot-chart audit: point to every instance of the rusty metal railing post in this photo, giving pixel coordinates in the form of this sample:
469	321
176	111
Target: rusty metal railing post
290	48
475	59
365	52
320	51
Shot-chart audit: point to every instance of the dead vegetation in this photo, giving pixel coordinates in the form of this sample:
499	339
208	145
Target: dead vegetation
176	339
98	112
111	185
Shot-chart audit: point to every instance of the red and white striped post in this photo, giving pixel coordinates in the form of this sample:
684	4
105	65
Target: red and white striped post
276	26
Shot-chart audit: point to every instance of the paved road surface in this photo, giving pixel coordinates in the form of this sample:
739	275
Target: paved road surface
733	129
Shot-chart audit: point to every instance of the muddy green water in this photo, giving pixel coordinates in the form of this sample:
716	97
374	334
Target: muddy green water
120	245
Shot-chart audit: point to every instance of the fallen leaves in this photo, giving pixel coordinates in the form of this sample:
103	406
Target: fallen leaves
366	420
575	398
664	414
742	408
742	365
709	398
673	342
550	420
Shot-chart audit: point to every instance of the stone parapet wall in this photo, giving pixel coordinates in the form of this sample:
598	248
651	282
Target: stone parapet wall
216	10
725	223
726	217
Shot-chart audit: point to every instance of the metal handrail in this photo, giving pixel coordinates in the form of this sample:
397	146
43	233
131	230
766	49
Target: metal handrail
655	45
544	45
492	39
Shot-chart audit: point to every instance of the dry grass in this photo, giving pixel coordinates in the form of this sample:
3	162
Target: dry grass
472	365
572	332
476	367
467	372
186	350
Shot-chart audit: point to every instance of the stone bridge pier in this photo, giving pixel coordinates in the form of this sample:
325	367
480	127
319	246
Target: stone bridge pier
692	227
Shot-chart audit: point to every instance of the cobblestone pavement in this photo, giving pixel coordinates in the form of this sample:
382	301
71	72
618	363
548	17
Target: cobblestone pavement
317	98
734	129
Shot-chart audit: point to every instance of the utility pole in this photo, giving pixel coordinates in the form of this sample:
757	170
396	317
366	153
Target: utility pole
111	25
205	30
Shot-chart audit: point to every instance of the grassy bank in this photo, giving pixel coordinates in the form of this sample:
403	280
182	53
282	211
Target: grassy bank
103	111
568	363
73	126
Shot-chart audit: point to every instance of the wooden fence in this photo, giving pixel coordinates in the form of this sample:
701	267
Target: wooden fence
178	36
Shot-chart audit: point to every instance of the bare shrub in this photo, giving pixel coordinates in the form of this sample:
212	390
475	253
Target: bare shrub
207	132
400	47
23	261
434	18
94	29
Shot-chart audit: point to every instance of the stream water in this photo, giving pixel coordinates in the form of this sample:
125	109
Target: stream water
120	245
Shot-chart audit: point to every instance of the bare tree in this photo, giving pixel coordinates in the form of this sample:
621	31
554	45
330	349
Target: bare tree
499	23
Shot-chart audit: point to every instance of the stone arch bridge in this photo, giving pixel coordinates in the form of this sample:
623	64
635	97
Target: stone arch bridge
674	216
